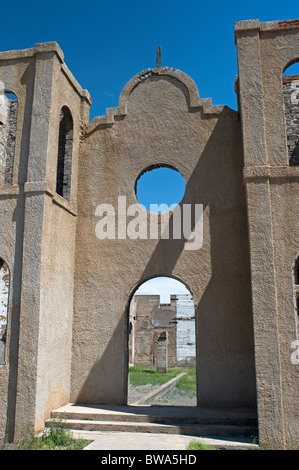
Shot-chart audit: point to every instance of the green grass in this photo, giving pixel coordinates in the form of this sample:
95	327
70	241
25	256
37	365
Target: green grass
148	375
187	385
54	437
197	445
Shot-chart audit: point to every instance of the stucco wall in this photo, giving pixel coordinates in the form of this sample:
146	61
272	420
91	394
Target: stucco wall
161	119
37	239
17	77
69	296
265	50
57	258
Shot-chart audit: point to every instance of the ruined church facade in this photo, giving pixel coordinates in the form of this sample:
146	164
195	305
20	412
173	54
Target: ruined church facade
65	292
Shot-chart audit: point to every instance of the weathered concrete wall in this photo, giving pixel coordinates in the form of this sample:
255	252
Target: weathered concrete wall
149	318
57	253
57	262
18	77
161	120
162	345
264	51
37	239
68	306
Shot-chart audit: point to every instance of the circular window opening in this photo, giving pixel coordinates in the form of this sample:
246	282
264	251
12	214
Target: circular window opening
160	189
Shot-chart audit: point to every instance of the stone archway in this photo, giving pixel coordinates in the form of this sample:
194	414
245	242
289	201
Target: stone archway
161	339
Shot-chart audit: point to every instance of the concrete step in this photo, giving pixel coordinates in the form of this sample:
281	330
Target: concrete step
168	420
186	429
164	415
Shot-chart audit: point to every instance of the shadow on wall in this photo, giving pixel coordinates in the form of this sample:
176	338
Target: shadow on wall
224	329
111	365
16	265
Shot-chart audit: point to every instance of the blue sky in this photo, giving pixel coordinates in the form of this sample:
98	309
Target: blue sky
160	186
106	43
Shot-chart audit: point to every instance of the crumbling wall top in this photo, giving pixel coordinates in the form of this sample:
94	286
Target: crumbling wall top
247	25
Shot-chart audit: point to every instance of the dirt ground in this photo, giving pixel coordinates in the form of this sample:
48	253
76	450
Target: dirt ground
173	398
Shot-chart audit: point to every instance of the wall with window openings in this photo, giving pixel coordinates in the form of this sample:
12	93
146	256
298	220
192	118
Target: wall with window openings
64	304
296	290
8	124
291	104
4	292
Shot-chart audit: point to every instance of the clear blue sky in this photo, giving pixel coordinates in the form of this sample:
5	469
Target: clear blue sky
106	43
160	186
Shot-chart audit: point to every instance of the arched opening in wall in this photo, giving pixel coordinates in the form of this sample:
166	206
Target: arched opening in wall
160	187
4	293
65	150
296	272
296	292
8	127
290	83
162	344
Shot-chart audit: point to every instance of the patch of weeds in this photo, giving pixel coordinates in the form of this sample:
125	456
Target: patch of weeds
148	375
197	445
186	386
55	437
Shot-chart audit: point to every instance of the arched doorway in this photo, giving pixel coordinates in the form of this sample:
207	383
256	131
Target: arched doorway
290	88
4	296
162	344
